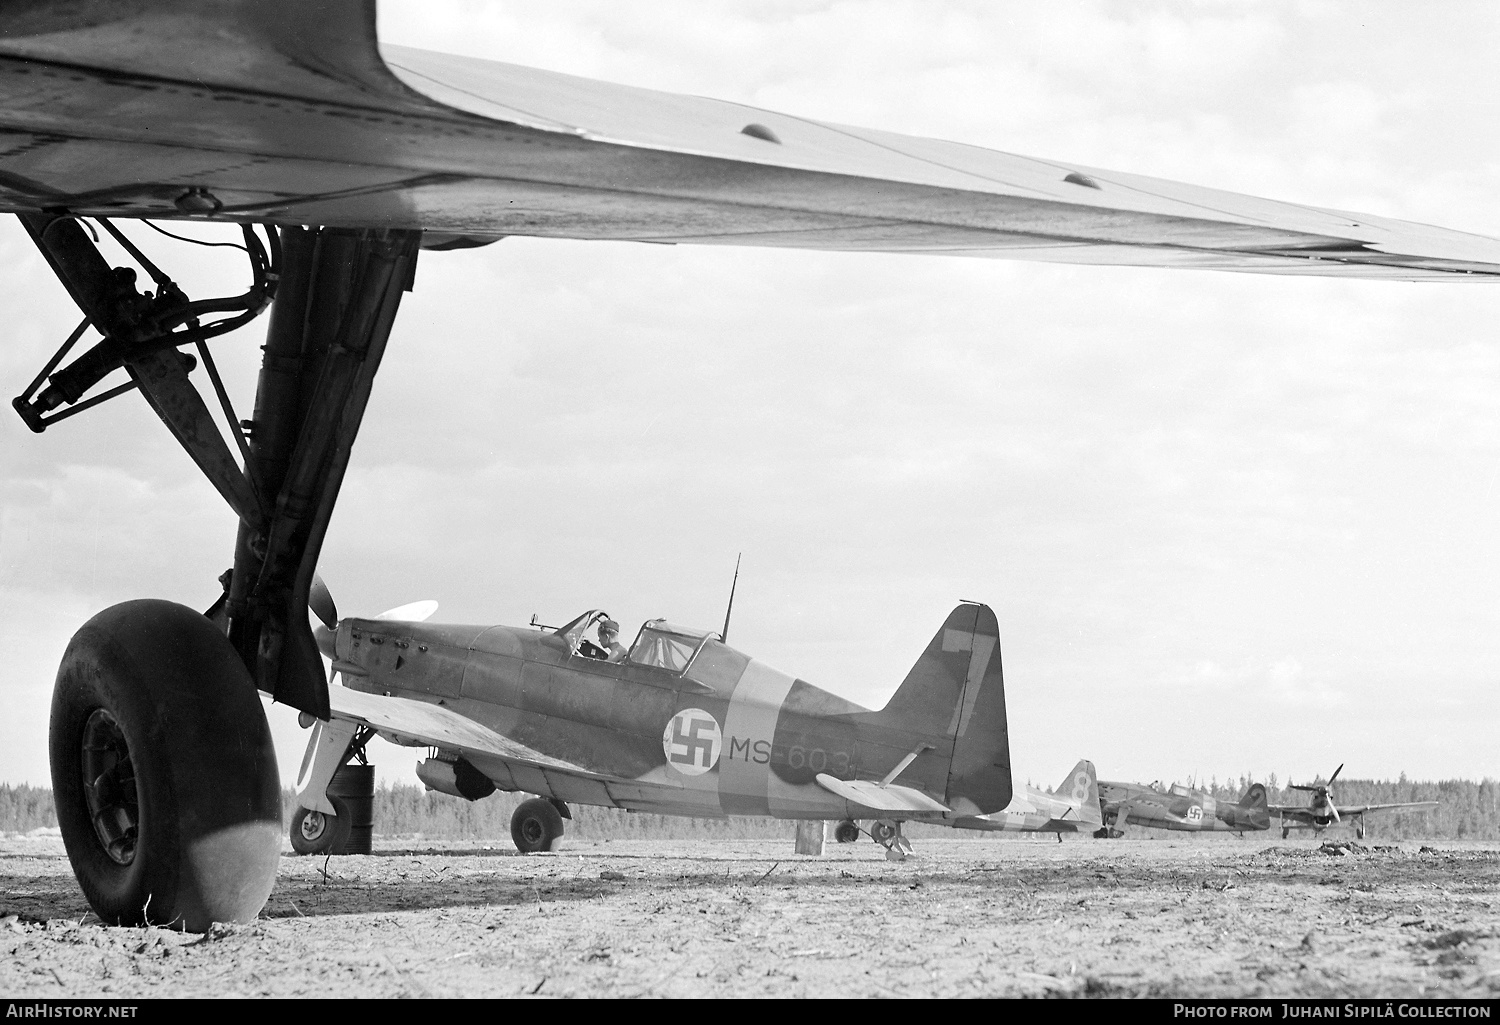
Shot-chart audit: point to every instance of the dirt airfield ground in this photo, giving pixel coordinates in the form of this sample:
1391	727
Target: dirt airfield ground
1190	916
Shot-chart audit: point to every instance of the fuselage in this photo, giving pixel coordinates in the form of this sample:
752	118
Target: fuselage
695	729
1032	810
1178	808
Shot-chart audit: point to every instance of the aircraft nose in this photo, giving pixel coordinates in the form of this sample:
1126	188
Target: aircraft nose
325	639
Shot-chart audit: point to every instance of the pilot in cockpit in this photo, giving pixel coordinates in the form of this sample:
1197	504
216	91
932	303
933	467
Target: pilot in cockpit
609	648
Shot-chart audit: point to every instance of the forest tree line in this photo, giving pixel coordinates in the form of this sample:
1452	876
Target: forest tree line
1466	811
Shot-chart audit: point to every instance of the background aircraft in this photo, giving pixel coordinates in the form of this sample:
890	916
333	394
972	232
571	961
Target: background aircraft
1179	807
684	725
281	116
1321	812
1072	808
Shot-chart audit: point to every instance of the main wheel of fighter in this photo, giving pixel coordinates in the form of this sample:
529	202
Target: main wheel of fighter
1359	829
537	825
163	771
846	832
1285	833
314	832
883	832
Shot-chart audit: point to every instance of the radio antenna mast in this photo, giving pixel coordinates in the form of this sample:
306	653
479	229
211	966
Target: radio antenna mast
724	635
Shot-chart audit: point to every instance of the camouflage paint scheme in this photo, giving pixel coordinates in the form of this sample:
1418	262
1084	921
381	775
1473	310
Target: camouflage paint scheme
1182	808
686	725
1072	808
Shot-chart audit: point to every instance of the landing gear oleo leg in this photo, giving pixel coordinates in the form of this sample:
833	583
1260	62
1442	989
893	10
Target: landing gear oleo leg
321	823
887	833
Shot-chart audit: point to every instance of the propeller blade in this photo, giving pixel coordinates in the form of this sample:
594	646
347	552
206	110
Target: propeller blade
320	600
1335	775
1333	811
414	612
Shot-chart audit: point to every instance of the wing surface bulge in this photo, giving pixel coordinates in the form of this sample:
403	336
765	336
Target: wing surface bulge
459	138
688	125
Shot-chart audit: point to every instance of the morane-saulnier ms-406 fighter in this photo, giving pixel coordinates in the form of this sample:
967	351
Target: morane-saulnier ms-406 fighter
1179	807
339	160
683	724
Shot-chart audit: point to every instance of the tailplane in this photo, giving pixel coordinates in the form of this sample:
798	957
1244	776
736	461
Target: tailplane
955	694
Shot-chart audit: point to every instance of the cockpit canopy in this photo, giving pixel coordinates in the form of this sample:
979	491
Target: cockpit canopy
668	646
660	644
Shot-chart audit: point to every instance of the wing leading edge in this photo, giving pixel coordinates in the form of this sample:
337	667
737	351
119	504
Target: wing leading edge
278	111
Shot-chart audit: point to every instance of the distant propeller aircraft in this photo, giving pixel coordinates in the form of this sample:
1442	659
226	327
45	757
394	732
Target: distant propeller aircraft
683	725
1322	813
1179	807
340	159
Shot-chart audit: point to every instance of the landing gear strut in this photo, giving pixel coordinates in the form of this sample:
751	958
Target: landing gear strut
887	833
162	765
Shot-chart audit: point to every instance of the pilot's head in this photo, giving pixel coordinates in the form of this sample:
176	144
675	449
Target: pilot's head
608	631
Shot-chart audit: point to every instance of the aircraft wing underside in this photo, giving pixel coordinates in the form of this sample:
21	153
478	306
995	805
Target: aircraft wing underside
431	725
285	112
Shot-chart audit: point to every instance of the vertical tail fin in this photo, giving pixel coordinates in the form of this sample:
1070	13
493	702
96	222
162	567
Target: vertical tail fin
955	694
1082	785
1251	813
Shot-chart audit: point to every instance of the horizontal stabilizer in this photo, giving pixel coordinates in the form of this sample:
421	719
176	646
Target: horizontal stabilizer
889	799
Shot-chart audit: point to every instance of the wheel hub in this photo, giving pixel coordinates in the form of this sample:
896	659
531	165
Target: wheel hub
109	787
313	825
533	830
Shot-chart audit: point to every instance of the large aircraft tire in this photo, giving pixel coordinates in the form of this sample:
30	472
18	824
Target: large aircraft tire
313	832
846	832
536	825
163	771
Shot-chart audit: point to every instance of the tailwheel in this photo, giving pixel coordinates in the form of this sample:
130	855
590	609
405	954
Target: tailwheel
163	771
536	825
887	833
846	832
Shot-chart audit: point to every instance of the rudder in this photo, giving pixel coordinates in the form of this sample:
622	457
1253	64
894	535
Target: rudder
956	691
1082	785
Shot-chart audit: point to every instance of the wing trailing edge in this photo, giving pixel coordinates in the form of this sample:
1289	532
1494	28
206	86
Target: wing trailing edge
278	111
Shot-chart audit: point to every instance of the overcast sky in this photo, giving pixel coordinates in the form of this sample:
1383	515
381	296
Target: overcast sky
1229	524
